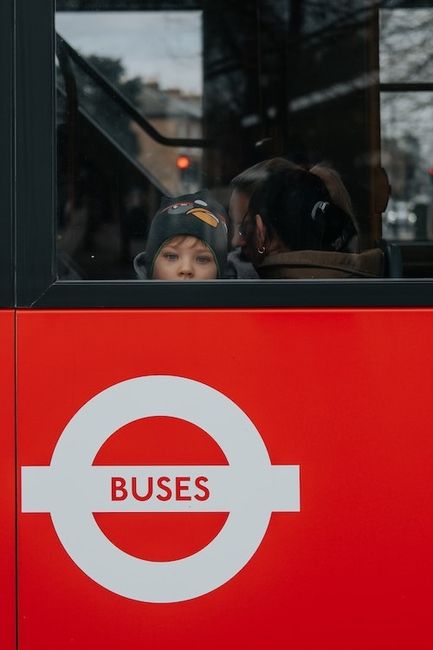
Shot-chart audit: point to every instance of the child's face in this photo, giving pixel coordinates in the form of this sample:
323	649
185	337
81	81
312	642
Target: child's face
185	258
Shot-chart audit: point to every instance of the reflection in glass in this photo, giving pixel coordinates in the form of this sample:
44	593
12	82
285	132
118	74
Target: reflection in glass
406	62
172	96
105	63
407	155
406	46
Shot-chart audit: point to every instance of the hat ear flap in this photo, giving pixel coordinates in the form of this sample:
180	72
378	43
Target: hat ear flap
140	265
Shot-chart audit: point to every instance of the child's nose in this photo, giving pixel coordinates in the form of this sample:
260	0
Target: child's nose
186	268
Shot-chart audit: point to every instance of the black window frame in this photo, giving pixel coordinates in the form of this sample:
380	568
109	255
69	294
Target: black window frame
7	162
30	171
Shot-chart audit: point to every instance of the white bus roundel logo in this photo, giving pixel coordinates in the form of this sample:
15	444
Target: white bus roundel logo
249	488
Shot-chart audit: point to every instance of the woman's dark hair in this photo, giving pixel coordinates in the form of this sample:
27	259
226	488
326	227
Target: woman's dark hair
295	205
250	179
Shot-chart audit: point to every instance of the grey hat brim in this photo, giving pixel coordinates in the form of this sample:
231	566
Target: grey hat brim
140	266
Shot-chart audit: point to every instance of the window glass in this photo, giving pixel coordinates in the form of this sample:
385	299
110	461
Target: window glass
407	155
114	70
154	58
406	50
167	98
406	73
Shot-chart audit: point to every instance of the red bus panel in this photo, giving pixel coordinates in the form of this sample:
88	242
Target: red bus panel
238	479
7	473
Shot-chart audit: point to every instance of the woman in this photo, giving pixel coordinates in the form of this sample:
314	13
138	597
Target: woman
293	228
243	187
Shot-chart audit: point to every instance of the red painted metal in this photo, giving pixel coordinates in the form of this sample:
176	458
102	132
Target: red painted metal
7	473
344	394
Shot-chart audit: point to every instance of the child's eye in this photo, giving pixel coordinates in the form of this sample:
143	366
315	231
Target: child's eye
171	257
203	259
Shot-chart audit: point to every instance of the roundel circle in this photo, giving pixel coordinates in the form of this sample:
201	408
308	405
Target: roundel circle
249	488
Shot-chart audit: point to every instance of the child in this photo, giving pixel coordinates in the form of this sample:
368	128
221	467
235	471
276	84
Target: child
187	240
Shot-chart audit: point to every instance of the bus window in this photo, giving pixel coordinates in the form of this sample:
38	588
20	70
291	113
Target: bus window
164	99
406	70
128	83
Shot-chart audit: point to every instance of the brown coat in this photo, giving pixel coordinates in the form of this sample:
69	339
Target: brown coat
322	264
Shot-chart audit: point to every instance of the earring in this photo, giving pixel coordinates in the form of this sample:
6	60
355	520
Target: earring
261	250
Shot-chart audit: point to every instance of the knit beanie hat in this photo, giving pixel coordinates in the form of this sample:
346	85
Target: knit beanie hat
197	215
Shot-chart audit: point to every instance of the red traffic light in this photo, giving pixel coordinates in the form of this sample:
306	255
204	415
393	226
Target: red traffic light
183	162
430	171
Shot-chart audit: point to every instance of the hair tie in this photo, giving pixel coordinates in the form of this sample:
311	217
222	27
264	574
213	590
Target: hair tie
320	205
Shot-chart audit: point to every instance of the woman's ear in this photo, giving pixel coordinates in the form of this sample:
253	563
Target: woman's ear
261	231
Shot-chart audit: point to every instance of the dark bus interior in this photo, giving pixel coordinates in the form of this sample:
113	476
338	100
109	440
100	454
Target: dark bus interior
291	78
